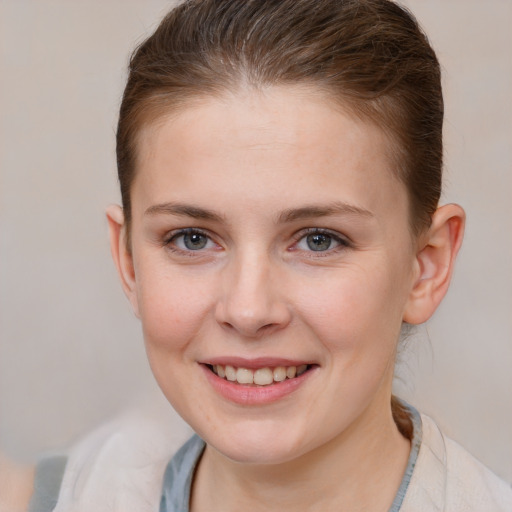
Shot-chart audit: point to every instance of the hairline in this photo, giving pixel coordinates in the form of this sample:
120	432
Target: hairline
156	109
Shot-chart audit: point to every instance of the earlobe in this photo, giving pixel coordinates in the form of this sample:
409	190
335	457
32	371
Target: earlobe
121	254
435	262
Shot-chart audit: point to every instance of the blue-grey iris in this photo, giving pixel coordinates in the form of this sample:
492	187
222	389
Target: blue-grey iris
195	241
319	242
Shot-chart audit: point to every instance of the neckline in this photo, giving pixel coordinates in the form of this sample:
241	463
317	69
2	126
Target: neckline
179	473
417	435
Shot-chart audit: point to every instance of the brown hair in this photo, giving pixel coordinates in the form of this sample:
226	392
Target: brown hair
369	55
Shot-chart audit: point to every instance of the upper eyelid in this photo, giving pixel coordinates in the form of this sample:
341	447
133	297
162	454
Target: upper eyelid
324	231
185	231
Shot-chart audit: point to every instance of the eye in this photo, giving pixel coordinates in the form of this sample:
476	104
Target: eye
320	241
190	240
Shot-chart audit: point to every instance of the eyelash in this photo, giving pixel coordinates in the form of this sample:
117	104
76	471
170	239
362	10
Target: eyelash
343	243
170	241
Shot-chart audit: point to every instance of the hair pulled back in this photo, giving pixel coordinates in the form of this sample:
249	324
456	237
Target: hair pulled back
369	55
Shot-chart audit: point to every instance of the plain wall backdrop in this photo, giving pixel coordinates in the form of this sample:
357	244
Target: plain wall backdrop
71	352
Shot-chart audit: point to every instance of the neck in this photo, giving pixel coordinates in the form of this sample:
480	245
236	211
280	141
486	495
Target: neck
370	455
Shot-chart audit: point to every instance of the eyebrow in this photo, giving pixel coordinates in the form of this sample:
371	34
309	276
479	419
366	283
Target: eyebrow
289	215
184	210
313	211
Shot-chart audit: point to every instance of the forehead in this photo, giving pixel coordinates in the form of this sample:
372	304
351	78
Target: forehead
276	143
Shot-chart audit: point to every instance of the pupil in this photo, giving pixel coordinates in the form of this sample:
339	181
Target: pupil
194	241
319	242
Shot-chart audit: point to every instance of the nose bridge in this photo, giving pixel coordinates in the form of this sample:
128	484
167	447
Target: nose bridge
251	302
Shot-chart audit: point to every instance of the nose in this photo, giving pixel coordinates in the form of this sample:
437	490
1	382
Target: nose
252	301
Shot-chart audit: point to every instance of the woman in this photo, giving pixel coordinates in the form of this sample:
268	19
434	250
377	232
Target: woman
280	169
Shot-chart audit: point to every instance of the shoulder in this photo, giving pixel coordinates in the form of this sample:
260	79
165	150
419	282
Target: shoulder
16	486
120	465
447	477
471	485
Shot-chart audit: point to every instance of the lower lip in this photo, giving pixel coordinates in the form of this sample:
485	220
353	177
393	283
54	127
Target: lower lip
255	395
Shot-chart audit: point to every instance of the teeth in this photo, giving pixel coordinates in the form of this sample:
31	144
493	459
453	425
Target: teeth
279	373
261	376
230	373
291	371
301	369
244	376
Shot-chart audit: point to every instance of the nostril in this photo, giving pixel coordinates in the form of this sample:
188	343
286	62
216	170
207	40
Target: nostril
251	329
267	328
251	314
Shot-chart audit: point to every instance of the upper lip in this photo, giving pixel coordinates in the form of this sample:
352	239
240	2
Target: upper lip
253	363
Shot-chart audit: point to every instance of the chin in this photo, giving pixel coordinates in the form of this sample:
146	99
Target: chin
256	444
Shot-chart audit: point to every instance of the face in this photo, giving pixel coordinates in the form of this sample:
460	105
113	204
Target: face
270	244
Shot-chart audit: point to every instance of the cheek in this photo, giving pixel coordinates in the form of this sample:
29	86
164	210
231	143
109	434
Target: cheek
354	309
173	306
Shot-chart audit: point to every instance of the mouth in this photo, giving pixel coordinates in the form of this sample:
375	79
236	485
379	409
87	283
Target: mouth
257	382
258	377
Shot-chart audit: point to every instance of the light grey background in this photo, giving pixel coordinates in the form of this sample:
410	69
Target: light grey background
70	352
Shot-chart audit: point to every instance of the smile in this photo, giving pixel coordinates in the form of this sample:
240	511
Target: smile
259	376
257	382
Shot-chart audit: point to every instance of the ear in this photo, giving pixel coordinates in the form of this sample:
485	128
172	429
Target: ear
435	262
121	254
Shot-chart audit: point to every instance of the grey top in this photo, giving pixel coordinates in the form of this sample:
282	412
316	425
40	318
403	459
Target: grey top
180	471
49	473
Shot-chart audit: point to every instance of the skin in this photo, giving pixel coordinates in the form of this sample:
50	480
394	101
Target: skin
16	485
255	162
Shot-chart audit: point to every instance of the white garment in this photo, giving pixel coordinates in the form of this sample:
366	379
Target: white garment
447	478
120	467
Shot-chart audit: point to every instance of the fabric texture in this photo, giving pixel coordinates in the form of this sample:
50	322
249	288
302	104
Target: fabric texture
118	467
123	468
178	476
49	473
447	478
